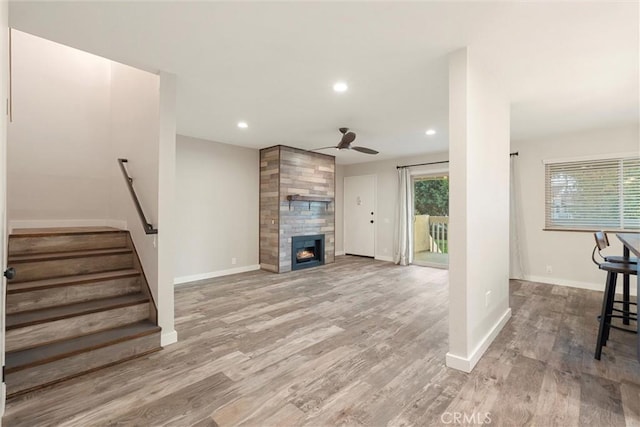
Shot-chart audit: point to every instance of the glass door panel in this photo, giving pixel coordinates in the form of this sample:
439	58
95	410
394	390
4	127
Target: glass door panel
431	221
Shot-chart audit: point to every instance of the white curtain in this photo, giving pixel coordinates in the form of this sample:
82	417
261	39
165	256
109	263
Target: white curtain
516	267
404	232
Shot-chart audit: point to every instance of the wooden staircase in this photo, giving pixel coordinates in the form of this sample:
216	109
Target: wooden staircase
79	302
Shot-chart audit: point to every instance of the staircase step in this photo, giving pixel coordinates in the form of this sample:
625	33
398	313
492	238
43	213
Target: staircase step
35	328
28	318
23	359
48	256
60	264
40	294
43	365
15	288
48	231
29	241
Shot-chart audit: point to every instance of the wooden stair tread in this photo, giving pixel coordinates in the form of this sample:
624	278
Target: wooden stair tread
66	255
37	232
23	359
13	288
26	318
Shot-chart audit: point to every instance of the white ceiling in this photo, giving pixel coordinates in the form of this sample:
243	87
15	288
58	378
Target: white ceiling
566	66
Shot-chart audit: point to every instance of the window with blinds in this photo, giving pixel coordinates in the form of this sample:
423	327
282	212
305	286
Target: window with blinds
593	195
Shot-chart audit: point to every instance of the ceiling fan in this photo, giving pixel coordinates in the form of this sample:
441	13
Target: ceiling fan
345	143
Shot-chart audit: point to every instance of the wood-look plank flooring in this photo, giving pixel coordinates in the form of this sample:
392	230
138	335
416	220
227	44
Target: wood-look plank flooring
358	342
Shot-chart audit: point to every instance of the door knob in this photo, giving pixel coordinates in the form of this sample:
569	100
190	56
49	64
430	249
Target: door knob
10	273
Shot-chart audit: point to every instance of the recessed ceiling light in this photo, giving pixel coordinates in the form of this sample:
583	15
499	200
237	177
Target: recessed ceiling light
243	125
430	132
340	87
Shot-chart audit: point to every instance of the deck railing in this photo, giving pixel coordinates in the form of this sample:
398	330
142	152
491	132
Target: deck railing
439	233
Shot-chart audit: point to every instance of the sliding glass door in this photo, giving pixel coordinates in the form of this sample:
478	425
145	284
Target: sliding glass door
431	220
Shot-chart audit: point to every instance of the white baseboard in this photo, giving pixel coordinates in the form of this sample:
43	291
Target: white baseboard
49	223
212	274
339	253
466	364
575	284
384	258
168	338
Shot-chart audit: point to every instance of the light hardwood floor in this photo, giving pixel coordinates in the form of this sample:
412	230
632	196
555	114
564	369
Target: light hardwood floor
358	342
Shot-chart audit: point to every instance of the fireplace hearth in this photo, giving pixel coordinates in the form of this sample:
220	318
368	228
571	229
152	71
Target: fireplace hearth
307	251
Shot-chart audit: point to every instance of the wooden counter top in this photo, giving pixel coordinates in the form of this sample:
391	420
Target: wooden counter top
631	241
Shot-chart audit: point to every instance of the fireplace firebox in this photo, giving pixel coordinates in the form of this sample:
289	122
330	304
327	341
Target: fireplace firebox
307	251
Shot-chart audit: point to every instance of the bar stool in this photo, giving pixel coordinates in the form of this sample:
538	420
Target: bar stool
602	242
606	316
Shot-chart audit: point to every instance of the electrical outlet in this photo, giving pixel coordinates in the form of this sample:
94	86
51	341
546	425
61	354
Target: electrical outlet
487	299
549	269
233	261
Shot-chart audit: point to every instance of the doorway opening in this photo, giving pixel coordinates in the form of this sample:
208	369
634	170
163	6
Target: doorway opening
431	220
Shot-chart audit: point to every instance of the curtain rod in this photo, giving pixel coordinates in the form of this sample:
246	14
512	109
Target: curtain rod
437	163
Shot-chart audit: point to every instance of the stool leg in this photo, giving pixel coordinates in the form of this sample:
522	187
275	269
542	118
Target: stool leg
625	299
611	297
603	317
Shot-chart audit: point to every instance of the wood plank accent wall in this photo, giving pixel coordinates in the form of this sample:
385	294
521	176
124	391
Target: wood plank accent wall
288	171
269	208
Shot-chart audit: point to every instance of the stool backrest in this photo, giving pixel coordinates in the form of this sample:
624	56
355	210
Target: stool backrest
602	242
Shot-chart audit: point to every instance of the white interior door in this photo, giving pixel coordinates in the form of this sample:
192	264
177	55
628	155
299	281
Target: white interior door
359	215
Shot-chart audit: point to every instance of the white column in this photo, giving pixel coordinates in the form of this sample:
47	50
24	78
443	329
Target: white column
4	71
479	210
166	211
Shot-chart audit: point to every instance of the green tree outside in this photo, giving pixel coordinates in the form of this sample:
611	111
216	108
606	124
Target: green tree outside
431	196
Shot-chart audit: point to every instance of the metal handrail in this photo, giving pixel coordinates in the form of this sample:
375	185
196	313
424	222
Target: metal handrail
148	228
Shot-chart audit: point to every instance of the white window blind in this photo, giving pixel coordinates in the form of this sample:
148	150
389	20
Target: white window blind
593	194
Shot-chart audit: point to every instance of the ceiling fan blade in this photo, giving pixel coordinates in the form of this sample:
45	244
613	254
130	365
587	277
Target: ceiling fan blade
323	148
365	150
346	140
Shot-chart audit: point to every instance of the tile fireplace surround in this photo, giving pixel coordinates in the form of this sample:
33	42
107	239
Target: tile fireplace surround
287	172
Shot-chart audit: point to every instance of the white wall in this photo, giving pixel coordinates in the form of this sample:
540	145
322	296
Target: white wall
135	125
479	210
134	133
58	141
386	195
567	253
134	136
217	204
